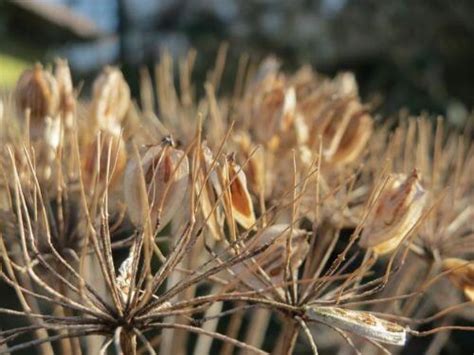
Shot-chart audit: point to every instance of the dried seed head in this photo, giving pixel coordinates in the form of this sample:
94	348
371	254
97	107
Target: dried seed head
37	91
396	211
67	101
103	160
240	200
111	99
461	275
165	172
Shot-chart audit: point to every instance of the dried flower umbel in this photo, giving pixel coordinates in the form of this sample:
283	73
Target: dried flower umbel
443	158
284	206
126	304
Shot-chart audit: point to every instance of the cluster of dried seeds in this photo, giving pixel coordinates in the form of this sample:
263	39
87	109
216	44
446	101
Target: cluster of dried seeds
286	202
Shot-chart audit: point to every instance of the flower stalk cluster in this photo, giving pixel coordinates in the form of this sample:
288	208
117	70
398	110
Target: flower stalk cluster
187	224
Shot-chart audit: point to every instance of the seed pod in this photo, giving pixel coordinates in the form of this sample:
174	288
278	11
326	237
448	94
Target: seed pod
255	167
67	101
362	323
354	139
396	211
461	275
111	99
240	200
346	84
346	132
125	275
37	91
165	173
52	132
211	167
301	129
273	259
267	102
288	110
212	214
106	152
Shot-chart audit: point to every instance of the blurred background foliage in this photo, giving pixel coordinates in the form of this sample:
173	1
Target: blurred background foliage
416	54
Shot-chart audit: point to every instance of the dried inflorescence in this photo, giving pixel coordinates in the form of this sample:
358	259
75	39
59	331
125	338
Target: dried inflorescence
122	227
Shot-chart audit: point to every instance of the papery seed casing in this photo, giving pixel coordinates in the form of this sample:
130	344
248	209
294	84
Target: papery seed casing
67	100
240	200
110	99
461	275
165	172
106	151
37	91
396	211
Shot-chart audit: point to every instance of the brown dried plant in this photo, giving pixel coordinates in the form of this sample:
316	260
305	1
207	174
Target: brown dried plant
205	224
